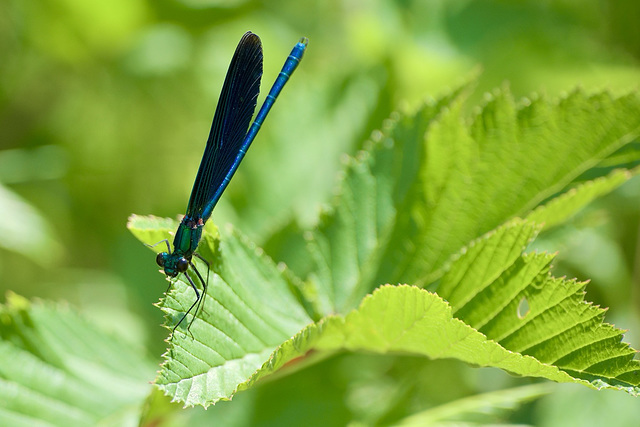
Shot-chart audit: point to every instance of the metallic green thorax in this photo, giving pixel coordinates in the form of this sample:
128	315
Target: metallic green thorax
185	243
188	236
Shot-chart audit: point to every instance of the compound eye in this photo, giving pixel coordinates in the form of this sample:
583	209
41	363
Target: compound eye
182	265
160	258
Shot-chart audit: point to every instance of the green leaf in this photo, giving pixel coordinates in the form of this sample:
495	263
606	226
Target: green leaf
517	303
564	206
60	370
559	336
508	160
376	191
406	319
430	183
250	308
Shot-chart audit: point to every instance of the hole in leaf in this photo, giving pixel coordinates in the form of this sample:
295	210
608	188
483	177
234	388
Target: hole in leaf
523	307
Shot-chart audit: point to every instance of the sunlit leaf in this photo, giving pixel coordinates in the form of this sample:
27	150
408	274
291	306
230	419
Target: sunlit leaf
411	207
58	369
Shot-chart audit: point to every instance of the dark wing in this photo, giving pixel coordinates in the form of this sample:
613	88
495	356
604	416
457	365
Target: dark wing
230	123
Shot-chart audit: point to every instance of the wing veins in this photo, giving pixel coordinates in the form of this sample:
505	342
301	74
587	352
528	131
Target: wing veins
231	120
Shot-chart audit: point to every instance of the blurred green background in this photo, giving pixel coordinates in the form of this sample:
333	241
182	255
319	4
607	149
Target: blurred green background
105	107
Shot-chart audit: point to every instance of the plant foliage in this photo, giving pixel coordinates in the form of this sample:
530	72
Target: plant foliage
435	200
